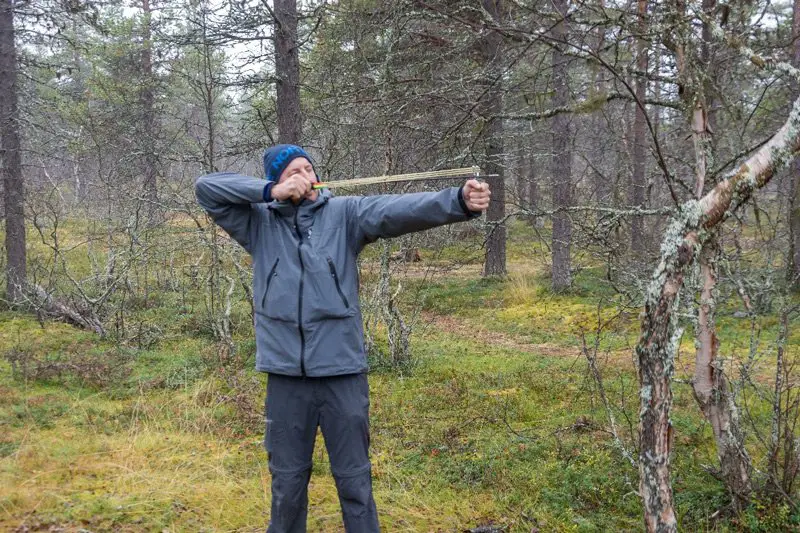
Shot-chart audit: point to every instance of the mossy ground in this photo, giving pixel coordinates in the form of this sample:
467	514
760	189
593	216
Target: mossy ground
497	422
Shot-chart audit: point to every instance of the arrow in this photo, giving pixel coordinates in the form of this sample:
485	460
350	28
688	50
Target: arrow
468	172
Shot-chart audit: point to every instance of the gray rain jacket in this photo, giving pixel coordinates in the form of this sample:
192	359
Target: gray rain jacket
305	276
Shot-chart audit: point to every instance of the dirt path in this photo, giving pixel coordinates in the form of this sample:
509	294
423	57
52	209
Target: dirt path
469	328
434	270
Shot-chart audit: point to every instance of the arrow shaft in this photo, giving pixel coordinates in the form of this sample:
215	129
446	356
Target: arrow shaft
416	176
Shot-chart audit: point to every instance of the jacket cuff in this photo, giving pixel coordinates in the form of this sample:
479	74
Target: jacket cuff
267	194
463	204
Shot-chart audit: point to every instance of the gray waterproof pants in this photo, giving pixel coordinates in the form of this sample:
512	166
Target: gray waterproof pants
295	406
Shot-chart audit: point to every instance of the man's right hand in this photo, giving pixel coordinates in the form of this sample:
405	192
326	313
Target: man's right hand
293	188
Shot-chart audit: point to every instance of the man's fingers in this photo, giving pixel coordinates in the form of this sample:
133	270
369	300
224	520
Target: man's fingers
298	190
478	195
478	186
300	187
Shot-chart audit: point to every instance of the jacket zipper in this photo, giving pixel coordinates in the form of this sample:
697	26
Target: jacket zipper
336	281
269	281
300	296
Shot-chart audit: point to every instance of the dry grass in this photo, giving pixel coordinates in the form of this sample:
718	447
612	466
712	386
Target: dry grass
179	460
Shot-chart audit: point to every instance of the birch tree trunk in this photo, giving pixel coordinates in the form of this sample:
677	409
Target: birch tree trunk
711	388
11	158
658	339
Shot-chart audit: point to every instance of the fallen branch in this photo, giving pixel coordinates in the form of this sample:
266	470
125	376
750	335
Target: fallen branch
46	304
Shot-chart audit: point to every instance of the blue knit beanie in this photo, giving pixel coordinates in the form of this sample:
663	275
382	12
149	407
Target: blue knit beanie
278	157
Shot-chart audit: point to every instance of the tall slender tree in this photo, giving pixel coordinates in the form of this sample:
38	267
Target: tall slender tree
794	201
287	71
561	163
710	384
638	183
492	52
147	97
11	157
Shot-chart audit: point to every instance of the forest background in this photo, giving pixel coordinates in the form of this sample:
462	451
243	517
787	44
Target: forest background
612	345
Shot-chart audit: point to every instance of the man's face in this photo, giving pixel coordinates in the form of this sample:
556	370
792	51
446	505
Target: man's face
301	168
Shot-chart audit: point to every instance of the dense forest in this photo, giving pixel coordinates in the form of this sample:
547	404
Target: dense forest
612	345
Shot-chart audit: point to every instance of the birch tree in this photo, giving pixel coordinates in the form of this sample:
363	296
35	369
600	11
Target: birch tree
687	234
710	382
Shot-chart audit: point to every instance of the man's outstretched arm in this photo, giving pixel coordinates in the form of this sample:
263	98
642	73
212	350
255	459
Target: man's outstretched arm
391	215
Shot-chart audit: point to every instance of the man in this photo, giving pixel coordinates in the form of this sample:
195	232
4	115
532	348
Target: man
309	331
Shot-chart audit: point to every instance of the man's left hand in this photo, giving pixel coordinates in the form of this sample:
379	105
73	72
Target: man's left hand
476	195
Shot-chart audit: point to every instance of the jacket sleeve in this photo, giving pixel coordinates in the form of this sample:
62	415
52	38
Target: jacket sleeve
227	198
374	217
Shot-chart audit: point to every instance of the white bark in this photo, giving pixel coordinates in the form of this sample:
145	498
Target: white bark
656	347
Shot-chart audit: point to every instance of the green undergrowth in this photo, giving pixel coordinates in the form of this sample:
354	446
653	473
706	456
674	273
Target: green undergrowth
523	307
496	422
474	434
